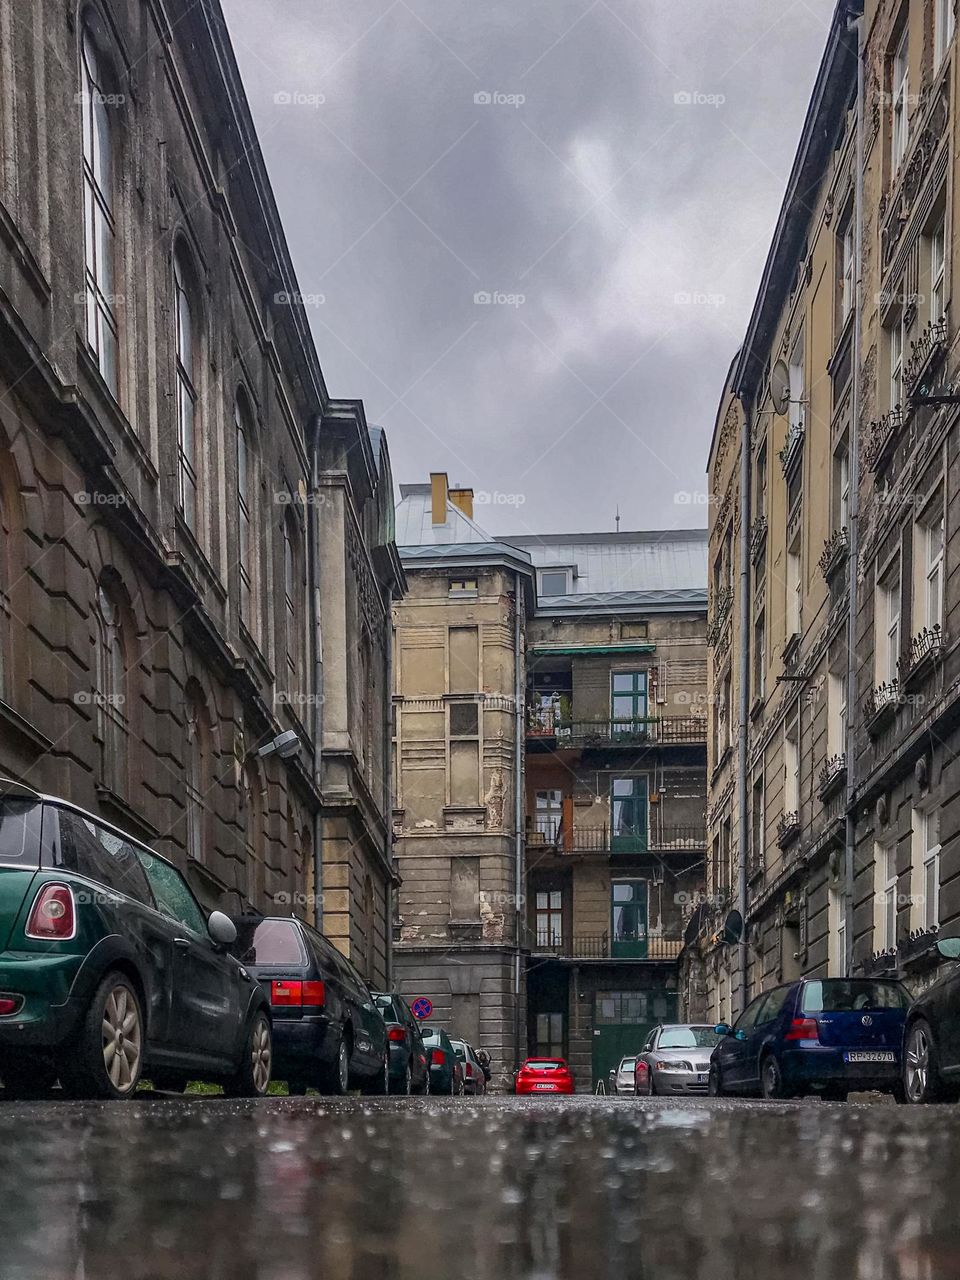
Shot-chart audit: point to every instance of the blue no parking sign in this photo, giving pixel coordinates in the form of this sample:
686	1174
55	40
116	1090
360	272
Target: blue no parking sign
422	1007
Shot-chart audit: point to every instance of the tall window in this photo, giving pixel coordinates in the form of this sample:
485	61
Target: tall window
791	767
845	281
760	497
549	918
197	772
837	942
841	487
900	93
938	267
793	588
244	508
836	714
290	590
628	700
757	824
930	538
925	871
254	872
943	22
759	655
99	214
110	694
885	897
888	625
895	350
549	813
187	463
798	382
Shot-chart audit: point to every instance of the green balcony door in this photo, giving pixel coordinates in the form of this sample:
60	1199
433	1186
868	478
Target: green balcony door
628	814
628	925
628	704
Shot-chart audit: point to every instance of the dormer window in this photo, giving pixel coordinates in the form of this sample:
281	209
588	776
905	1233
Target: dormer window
555	582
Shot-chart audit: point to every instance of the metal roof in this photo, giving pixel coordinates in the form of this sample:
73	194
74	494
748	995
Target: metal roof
415	527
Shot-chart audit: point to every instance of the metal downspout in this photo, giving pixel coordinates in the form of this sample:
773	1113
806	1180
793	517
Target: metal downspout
853	454
316	638
388	781
518	799
746	639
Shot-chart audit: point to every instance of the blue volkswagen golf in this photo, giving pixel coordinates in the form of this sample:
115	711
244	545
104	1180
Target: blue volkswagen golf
826	1036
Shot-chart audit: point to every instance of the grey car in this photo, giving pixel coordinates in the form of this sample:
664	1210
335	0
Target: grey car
621	1077
675	1058
474	1080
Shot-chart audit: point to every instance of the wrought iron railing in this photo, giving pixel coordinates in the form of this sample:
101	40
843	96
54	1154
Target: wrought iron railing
618	731
601	946
835	551
791	449
832	775
925	647
600	839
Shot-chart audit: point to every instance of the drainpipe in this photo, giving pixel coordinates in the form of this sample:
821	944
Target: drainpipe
746	639
517	808
388	780
846	960
316	638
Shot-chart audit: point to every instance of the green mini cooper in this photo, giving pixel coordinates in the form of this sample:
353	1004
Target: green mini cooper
109	968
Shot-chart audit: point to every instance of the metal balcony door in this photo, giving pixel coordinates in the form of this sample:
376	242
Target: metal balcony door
549	814
628	703
628	812
628	906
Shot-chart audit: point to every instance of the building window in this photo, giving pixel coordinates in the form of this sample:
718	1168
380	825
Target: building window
943	23
245	539
899	87
628	807
628	699
554	582
759	655
837	926
628	906
841	487
885	893
930	540
724	860
798	383
757	825
836	714
549	1031
925	869
895	342
760	488
938	269
793	585
549	905
291	588
845	281
462	586
197	772
464	719
548	814
99	214
187	410
888	625
110	694
254	871
791	767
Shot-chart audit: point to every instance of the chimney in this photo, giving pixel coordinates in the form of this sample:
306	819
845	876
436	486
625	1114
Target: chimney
438	496
463	500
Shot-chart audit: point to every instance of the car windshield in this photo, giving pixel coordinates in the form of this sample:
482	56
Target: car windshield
687	1038
538	1064
852	995
627	1064
20	831
276	942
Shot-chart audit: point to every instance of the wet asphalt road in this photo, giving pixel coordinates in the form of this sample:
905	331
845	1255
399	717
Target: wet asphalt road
425	1189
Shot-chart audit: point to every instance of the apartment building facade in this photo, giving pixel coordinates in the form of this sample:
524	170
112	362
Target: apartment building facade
164	424
831	776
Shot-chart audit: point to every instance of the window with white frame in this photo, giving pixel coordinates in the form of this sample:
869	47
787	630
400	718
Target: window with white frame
798	383
895	358
836	714
845	264
938	271
841	487
900	95
759	655
99	214
888	624
187	398
925	869
791	767
943	25
930	540
246	546
793	588
837	931
885	897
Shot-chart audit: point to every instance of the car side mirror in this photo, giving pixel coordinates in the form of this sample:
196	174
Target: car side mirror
221	929
949	948
722	1029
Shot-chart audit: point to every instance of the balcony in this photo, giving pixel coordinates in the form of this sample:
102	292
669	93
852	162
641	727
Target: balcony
788	829
758	537
881	705
881	436
832	776
835	552
600	946
925	354
545	723
600	839
926	650
790	453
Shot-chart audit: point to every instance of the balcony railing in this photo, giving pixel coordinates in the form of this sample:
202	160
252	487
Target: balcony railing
600	839
792	448
881	704
926	648
881	435
832	776
835	551
924	353
617	732
601	946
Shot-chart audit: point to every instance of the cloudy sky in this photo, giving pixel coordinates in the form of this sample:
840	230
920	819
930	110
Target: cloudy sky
530	231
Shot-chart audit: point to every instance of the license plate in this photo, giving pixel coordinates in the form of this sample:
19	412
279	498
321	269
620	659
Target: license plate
870	1055
702	1078
544	1086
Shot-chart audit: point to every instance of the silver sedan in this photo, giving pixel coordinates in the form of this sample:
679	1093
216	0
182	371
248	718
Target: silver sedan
675	1058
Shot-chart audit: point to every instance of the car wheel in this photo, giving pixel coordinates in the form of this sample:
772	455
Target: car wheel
335	1079
27	1077
256	1065
105	1058
921	1065
169	1083
771	1079
406	1085
715	1082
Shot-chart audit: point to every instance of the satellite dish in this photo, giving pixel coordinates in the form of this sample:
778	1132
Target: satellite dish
733	927
780	387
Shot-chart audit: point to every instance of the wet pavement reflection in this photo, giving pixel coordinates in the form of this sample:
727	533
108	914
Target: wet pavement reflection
292	1189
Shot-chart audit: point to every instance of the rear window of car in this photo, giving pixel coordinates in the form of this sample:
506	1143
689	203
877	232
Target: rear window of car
20	831
277	942
537	1064
627	1063
459	1049
852	995
389	1009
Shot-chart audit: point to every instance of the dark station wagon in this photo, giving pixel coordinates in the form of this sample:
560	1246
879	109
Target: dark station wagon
110	969
328	1032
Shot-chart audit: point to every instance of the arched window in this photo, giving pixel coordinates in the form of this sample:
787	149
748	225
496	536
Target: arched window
246	544
110	694
197	772
187	397
99	212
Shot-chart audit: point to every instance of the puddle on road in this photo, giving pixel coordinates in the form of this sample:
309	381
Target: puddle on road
304	1188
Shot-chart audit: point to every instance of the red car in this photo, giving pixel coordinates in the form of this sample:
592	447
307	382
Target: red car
543	1075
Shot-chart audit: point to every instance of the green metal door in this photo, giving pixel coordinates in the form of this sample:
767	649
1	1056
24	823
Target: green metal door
628	811
622	1020
628	918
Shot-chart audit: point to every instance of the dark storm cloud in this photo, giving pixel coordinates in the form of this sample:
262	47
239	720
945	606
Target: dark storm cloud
608	174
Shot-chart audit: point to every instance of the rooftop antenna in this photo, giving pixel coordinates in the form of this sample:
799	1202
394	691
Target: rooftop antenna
618	517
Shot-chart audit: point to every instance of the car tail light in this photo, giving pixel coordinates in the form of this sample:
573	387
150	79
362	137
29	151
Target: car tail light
803	1029
397	1035
437	1057
314	995
53	916
286	993
9	1004
469	1070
